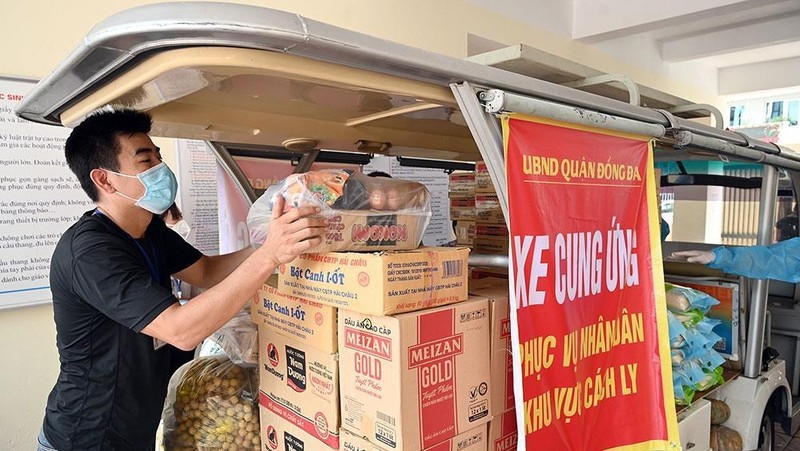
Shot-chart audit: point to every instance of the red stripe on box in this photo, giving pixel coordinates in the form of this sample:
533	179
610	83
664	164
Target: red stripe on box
298	420
438	420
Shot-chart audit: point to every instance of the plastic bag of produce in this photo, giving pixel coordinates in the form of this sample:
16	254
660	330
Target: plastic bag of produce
238	339
676	331
364	213
683	299
211	405
682	387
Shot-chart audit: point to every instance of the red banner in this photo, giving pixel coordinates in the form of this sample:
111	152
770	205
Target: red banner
590	312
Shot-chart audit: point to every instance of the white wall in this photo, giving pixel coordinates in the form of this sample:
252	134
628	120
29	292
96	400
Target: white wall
35	35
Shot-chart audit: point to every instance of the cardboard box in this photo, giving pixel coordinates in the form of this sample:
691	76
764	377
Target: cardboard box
477	272
300	384
476	439
465	232
280	434
379	283
462	178
463	214
491	230
366	230
502	381
462	202
491	245
503	432
310	323
414	380
462	184
483	181
490	216
487	201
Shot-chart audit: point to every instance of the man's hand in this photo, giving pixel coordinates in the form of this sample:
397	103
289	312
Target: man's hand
292	233
702	257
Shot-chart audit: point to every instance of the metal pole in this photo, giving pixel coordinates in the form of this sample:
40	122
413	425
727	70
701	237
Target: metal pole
714	111
758	298
230	166
496	261
487	134
634	98
306	162
685	138
496	101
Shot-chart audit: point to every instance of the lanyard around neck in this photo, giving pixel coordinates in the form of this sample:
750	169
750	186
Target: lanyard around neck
152	263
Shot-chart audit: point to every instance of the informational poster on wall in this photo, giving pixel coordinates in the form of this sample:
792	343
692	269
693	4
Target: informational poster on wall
197	173
440	230
593	368
39	199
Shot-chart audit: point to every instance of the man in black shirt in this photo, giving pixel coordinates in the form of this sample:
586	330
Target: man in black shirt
110	279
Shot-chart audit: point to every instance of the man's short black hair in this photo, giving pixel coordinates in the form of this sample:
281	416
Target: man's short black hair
94	143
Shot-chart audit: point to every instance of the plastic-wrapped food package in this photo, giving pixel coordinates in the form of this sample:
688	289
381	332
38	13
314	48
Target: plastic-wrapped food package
696	366
212	404
237	339
364	213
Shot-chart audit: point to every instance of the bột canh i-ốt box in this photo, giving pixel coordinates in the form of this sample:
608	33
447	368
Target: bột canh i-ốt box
379	283
300	384
306	321
476	439
280	434
503	431
502	382
413	380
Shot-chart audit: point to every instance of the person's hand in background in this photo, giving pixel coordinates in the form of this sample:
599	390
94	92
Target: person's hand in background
702	257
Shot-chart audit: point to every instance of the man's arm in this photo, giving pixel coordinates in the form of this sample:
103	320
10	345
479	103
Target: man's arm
290	234
208	271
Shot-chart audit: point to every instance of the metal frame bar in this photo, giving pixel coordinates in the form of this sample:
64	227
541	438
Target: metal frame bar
134	34
719	122
634	97
497	101
229	165
306	162
489	137
759	292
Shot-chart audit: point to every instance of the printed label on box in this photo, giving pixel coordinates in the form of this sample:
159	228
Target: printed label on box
382	283
308	322
414	380
283	434
299	384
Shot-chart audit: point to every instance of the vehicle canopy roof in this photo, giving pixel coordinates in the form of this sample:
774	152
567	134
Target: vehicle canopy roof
259	76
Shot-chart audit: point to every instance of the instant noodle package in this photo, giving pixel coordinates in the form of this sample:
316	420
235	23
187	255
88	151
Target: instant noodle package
364	213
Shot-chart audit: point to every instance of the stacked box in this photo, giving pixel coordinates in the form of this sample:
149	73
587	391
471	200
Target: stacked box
465	233
462	208
483	181
283	434
416	379
501	361
462	198
308	322
299	384
491	234
462	184
473	440
379	283
503	432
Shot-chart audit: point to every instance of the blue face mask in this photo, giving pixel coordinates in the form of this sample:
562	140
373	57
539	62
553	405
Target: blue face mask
160	188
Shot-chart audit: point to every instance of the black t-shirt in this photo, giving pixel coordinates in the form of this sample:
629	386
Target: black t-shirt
106	288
